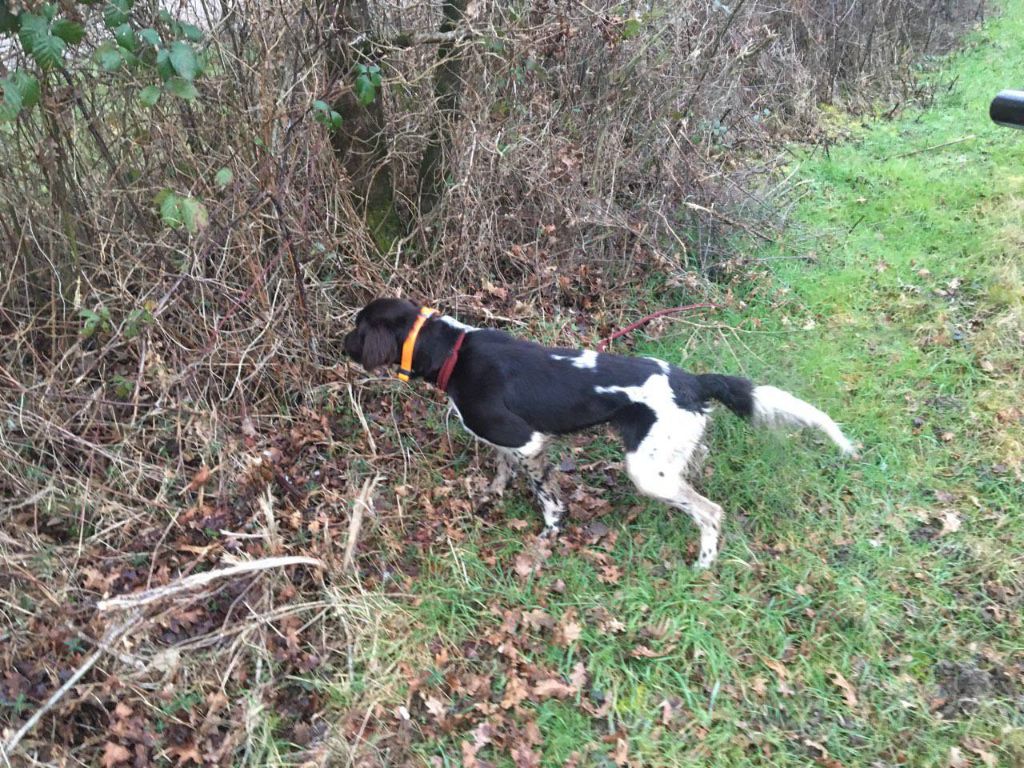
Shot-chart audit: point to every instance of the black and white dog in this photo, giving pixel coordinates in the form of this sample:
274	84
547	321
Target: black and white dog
517	395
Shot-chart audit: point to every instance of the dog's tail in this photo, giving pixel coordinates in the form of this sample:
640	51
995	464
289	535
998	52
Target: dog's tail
769	406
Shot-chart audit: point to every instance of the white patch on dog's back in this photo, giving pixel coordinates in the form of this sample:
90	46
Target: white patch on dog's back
452	322
672	438
586	359
661	364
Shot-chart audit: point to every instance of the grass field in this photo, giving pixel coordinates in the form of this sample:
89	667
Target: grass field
863	613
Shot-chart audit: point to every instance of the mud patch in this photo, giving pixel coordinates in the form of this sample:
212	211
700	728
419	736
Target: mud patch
965	686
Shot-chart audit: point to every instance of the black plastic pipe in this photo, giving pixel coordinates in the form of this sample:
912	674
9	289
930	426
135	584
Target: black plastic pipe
1007	108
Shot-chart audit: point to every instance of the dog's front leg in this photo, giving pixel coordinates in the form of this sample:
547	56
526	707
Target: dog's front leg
506	471
541	475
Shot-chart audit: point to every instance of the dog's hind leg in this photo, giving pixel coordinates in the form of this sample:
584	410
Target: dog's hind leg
708	517
657	465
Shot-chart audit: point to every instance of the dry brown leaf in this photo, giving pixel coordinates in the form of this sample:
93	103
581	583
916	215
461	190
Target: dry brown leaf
552	687
988	758
951	522
641	651
760	685
532	733
957	758
199	479
777	667
435	707
515	692
845	686
525	757
113	754
578	677
620	756
482	735
568	630
782	673
186	753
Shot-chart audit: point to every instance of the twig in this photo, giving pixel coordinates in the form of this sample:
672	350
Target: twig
929	149
197	580
712	54
660	313
112	636
360	505
732	222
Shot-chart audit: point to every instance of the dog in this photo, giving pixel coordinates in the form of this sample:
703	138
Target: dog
517	395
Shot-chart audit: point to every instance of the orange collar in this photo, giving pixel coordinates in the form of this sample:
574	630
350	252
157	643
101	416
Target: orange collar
405	371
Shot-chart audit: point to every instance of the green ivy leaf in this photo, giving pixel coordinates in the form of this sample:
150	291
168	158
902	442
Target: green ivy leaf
116	13
183	59
182	88
170	209
163	64
125	36
326	116
37	41
150	36
109	56
223	177
367	82
365	91
150	95
71	32
11	105
194	214
192	32
8	20
27	87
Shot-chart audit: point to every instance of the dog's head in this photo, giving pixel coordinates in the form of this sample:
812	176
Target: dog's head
381	328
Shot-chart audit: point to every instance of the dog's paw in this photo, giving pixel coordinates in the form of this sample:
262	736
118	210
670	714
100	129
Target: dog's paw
550	532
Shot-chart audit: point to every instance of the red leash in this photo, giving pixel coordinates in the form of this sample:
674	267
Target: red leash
660	313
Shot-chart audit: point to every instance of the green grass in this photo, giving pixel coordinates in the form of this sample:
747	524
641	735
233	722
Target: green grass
830	570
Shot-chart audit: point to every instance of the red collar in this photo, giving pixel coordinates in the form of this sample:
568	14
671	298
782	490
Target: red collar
449	364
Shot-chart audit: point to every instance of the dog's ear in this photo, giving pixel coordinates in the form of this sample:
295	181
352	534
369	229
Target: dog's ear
379	348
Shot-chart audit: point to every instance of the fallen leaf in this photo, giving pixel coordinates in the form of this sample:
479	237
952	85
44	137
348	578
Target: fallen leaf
957	758
185	753
782	673
525	757
641	651
610	574
568	630
435	707
951	522
760	685
845	686
552	687
578	676
989	759
515	692
777	667
620	756
114	753
199	479
482	735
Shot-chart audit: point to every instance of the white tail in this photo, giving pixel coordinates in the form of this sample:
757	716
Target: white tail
774	407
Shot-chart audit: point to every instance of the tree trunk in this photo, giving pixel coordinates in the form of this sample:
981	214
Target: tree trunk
361	142
447	88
